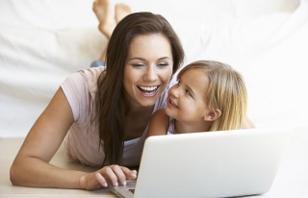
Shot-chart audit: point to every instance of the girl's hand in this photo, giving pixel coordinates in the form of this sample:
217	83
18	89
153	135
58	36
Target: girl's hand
114	175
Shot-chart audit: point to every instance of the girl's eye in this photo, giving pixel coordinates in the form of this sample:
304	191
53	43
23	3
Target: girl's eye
187	92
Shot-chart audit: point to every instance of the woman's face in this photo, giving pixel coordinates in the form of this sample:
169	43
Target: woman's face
148	69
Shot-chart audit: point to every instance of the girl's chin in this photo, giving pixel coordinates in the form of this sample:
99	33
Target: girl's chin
168	112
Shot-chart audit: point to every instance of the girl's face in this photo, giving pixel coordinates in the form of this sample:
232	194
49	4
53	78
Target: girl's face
148	69
187	99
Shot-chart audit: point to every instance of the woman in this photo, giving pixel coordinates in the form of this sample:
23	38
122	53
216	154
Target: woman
106	110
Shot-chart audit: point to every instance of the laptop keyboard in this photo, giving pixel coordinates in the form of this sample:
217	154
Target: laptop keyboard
132	190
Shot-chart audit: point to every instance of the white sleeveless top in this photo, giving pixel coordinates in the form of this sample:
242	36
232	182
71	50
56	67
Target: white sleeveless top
171	127
83	140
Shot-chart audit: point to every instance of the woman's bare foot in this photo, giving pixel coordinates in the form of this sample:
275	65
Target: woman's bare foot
107	23
121	10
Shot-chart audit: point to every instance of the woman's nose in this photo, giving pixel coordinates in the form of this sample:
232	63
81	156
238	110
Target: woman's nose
150	74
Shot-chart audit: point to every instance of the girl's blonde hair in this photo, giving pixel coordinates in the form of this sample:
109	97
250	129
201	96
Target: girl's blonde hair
226	92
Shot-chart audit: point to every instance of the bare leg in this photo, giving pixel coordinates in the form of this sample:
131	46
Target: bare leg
103	13
121	10
107	22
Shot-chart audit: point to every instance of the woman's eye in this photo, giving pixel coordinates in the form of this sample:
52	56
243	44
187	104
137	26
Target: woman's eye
137	65
163	64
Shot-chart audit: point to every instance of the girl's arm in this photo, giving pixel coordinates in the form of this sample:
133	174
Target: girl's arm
159	123
31	166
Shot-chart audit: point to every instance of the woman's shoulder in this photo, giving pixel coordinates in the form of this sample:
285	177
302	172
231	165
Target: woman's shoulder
80	89
91	74
89	77
87	74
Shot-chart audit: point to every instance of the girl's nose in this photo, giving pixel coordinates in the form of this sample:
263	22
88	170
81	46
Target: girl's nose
174	91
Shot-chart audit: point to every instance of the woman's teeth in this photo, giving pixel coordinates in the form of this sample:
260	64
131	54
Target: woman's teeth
148	89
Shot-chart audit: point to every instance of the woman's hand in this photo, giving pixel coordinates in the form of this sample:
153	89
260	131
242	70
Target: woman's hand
108	175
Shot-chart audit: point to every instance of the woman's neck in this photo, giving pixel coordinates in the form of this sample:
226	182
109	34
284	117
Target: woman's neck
183	127
134	108
140	110
136	120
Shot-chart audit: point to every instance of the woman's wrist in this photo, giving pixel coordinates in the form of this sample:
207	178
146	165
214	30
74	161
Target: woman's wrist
83	182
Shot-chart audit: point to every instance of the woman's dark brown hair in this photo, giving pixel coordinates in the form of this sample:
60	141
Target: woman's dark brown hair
110	105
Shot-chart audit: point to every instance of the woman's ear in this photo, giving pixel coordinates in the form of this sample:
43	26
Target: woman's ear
212	115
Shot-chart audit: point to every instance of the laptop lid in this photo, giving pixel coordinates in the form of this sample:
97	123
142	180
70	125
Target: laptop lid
210	164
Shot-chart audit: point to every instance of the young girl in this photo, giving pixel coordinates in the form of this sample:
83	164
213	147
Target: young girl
209	96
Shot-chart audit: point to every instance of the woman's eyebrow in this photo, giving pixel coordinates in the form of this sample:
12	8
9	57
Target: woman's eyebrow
143	59
136	58
162	58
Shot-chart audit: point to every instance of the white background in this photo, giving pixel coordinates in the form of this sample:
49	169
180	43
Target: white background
42	41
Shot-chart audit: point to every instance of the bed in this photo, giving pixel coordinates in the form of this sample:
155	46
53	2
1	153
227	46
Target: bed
44	41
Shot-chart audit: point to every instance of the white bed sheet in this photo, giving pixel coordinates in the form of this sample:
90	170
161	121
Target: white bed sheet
42	41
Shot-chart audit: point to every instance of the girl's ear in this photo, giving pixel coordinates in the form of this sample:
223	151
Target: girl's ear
212	115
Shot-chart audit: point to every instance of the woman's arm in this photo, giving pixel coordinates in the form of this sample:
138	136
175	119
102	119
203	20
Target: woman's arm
159	123
31	166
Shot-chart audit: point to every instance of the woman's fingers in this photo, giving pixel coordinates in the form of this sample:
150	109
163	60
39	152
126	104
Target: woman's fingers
119	173
130	174
101	179
110	175
115	175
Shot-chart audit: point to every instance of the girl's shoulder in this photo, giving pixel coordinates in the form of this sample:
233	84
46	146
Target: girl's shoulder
159	123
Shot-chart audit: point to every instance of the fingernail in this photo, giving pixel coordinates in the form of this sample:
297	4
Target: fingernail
100	179
134	173
116	184
124	183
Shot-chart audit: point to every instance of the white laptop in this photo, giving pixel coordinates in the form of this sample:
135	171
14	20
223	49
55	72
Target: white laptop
208	164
